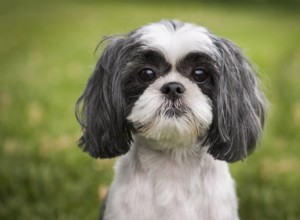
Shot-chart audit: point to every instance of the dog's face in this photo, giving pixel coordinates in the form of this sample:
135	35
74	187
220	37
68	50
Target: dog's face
175	83
170	84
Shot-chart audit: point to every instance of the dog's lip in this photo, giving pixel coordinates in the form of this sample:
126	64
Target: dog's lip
174	112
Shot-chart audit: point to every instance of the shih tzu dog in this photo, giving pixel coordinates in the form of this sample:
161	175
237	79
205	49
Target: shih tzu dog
178	103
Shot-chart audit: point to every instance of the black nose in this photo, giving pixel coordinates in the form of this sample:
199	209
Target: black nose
173	90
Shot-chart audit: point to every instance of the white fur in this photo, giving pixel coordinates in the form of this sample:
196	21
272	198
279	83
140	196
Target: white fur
157	185
182	131
175	44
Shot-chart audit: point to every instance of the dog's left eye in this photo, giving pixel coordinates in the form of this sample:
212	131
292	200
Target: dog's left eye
147	75
200	75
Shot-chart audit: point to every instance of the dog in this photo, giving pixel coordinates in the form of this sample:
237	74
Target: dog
178	103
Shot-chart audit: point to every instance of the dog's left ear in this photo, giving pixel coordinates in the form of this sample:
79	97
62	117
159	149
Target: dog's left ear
100	109
239	106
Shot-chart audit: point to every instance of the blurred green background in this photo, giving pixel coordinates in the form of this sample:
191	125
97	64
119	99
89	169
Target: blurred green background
46	56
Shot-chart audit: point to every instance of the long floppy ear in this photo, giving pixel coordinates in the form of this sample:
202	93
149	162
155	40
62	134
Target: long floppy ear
239	106
100	109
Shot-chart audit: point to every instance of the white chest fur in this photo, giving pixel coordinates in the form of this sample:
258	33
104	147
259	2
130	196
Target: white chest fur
159	185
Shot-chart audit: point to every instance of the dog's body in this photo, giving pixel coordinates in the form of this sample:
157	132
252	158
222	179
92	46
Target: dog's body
180	103
154	185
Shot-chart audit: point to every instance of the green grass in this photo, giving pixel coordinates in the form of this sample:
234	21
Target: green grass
46	56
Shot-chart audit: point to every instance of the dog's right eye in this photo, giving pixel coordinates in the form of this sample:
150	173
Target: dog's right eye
147	75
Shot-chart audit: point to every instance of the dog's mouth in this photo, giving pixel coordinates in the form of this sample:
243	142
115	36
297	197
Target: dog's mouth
173	109
174	112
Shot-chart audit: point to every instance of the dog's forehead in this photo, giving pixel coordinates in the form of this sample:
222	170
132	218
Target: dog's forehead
175	40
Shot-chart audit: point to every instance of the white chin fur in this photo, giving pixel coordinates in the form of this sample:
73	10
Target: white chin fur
150	121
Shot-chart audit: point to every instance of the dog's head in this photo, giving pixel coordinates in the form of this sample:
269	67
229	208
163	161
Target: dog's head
176	83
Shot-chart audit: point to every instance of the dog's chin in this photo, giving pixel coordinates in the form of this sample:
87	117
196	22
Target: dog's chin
173	129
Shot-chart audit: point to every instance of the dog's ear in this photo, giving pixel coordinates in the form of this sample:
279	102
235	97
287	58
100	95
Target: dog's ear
239	106
100	109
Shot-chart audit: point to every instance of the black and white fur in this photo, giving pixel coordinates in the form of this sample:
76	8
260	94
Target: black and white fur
178	103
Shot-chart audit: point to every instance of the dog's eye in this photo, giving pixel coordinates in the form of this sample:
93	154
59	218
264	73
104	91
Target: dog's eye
147	75
200	75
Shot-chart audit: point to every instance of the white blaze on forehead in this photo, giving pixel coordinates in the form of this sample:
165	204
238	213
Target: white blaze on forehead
174	44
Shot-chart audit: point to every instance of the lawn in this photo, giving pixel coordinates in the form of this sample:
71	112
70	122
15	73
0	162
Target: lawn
46	56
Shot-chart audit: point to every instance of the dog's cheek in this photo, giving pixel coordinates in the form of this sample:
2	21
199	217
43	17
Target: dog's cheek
201	107
144	109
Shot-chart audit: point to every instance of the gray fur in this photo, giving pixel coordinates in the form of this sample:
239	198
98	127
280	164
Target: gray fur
239	112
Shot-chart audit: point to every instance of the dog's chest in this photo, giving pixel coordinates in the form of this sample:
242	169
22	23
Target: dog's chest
156	188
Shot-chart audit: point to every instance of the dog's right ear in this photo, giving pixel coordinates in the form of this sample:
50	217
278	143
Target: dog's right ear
100	109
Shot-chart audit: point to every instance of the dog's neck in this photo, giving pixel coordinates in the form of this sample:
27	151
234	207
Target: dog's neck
170	148
157	157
